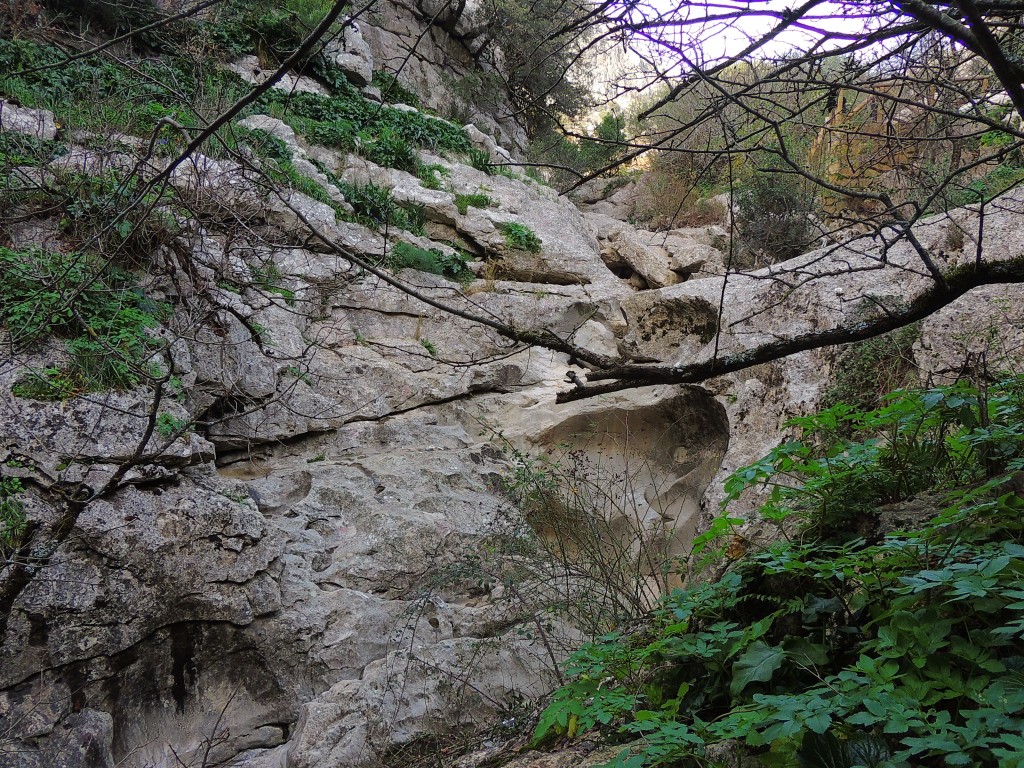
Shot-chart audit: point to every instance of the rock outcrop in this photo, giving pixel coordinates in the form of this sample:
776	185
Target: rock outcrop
269	585
425	46
282	578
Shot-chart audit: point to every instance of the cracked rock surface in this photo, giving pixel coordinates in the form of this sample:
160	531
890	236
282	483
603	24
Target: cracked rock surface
283	582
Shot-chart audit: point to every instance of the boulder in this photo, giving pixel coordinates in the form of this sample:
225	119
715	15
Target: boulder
38	123
351	54
251	71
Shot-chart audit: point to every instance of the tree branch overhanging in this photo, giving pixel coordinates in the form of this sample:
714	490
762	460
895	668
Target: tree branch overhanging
957	283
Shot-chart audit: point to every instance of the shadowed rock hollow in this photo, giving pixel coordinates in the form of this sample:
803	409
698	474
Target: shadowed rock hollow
647	461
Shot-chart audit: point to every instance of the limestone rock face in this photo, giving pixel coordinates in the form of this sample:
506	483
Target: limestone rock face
600	198
352	54
442	70
657	452
481	140
295	573
658	259
265	582
979	335
251	71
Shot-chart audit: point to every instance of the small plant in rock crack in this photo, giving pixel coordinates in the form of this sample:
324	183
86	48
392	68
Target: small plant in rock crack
474	200
480	159
239	497
520	237
168	425
12	514
428	345
300	375
430	175
377	209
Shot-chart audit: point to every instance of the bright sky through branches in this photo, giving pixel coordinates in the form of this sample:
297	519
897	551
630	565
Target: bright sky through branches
703	33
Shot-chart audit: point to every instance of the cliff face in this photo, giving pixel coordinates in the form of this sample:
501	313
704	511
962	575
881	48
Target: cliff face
429	46
267	548
298	536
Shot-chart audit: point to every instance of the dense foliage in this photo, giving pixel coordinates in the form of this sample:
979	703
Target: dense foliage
106	323
520	237
451	265
884	625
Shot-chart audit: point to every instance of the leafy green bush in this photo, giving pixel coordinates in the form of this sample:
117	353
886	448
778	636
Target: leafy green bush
773	212
430	175
388	148
17	149
521	237
377	209
341	134
865	371
12	515
407	256
480	160
99	215
570	158
845	642
106	321
367	117
1005	176
168	425
97	93
273	30
475	200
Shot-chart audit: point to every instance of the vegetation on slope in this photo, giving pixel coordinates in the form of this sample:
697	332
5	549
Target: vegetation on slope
105	321
883	627
151	106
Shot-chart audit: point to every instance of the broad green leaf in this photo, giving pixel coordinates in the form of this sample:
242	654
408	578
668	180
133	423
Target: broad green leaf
758	663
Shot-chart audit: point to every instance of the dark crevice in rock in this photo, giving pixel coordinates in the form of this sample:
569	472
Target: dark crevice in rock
182	653
467	395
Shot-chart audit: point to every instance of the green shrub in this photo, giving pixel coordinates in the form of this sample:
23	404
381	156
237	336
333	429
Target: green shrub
1003	177
105	320
95	93
570	158
389	149
407	256
17	149
340	135
393	91
377	209
271	29
104	213
865	371
49	384
304	111
12	515
476	200
430	175
168	425
263	144
773	215
480	160
521	237
844	642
